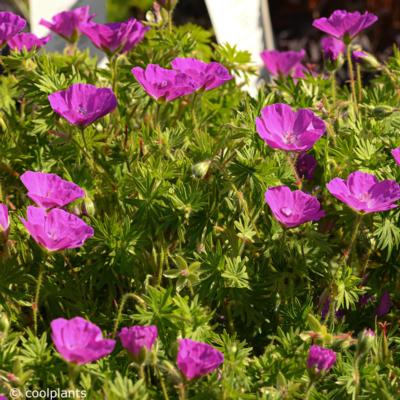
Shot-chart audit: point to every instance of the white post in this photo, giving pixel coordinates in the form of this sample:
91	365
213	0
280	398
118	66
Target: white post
244	23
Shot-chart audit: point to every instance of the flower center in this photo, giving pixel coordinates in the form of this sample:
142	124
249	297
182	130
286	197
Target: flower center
163	84
289	137
82	110
365	197
286	211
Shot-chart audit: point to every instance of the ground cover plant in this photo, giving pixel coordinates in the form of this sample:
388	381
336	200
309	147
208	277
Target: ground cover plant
164	235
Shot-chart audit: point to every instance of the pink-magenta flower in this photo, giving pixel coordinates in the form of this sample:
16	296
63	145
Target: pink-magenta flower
285	63
196	359
82	104
57	229
10	25
116	37
137	337
206	75
293	208
362	192
49	190
396	155
284	129
166	84
332	47
27	41
79	341
4	219
306	165
67	23
320	359
384	306
345	25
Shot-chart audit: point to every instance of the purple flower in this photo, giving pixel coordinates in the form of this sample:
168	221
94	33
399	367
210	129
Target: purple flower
79	341
196	358
293	208
67	23
285	129
56	230
362	192
320	359
206	75
285	63
10	25
332	47
4	219
305	166
345	25
136	337
161	83
27	41
396	155
117	37
49	190
81	104
384	306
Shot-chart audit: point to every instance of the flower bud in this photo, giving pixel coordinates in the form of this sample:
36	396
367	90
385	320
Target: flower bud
88	207
382	111
366	339
200	169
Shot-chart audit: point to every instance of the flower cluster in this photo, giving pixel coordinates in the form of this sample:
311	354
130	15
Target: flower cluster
80	342
54	229
187	76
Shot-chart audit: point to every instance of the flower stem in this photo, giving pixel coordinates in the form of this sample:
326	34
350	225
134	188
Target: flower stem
356	228
359	82
333	87
356	375
113	62
309	389
162	382
292	164
351	77
142	373
182	391
37	295
124	299
170	21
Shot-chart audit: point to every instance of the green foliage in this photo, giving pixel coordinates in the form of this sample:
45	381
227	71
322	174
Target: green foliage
175	194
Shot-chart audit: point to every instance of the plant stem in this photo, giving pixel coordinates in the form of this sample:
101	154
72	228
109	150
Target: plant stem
309	389
37	294
356	379
162	382
85	146
351	76
292	164
182	391
142	373
113	61
170	21
359	82
333	87
356	228
124	299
